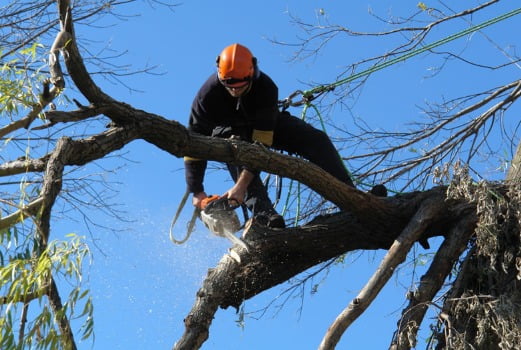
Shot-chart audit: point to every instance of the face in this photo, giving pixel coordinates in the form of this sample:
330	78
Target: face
237	91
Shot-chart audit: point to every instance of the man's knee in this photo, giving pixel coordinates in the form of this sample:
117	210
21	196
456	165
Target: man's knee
224	132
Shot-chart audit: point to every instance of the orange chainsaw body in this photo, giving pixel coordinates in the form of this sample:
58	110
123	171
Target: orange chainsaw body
219	215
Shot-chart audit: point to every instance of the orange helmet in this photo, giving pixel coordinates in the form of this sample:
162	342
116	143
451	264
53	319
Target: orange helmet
235	65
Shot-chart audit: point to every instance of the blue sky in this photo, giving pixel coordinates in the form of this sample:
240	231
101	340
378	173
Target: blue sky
143	285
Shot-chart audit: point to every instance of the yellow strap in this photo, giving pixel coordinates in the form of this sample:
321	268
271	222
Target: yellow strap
265	137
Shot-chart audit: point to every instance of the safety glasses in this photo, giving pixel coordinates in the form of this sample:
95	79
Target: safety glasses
235	83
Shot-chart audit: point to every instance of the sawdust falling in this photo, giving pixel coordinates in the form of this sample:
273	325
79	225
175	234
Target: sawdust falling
141	271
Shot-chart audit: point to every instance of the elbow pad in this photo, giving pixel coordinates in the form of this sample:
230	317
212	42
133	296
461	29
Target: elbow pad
263	136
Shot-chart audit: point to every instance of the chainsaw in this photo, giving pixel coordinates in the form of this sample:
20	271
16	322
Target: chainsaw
219	216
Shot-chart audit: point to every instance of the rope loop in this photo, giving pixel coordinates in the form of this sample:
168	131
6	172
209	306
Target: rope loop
307	96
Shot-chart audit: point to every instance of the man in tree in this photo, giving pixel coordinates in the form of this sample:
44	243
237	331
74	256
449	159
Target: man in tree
241	101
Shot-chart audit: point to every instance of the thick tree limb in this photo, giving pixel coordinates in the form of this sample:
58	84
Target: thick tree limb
426	214
441	266
84	151
173	137
276	255
259	157
22	165
52	185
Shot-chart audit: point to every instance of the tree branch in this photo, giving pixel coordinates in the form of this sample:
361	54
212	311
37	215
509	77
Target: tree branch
60	317
74	62
424	217
25	298
277	255
20	215
85	112
441	266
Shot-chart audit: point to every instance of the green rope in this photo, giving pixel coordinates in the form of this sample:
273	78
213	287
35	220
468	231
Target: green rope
319	116
308	95
299	203
323	126
286	203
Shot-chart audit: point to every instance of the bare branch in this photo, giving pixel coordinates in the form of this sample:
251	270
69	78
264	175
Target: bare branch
20	215
83	113
423	218
25	298
448	150
319	35
432	281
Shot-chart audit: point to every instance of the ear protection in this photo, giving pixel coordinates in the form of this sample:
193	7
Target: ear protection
256	71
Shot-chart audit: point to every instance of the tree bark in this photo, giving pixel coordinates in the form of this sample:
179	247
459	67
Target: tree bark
276	255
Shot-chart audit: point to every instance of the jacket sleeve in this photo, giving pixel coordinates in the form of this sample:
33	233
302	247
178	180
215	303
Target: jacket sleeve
266	112
199	123
194	174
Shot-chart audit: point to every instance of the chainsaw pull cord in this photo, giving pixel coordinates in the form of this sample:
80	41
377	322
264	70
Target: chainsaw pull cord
190	225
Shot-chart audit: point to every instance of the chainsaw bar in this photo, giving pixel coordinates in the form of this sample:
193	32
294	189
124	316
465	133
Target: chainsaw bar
220	218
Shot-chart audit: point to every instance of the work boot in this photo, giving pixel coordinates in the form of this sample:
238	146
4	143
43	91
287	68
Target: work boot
271	219
276	221
379	191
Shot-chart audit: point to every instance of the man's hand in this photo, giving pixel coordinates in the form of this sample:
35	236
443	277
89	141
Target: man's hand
238	191
197	198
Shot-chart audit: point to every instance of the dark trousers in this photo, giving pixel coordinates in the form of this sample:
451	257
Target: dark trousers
294	136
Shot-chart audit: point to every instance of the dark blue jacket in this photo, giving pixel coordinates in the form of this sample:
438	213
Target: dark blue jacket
251	116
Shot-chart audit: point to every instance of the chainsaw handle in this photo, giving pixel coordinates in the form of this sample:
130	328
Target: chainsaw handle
232	202
204	203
